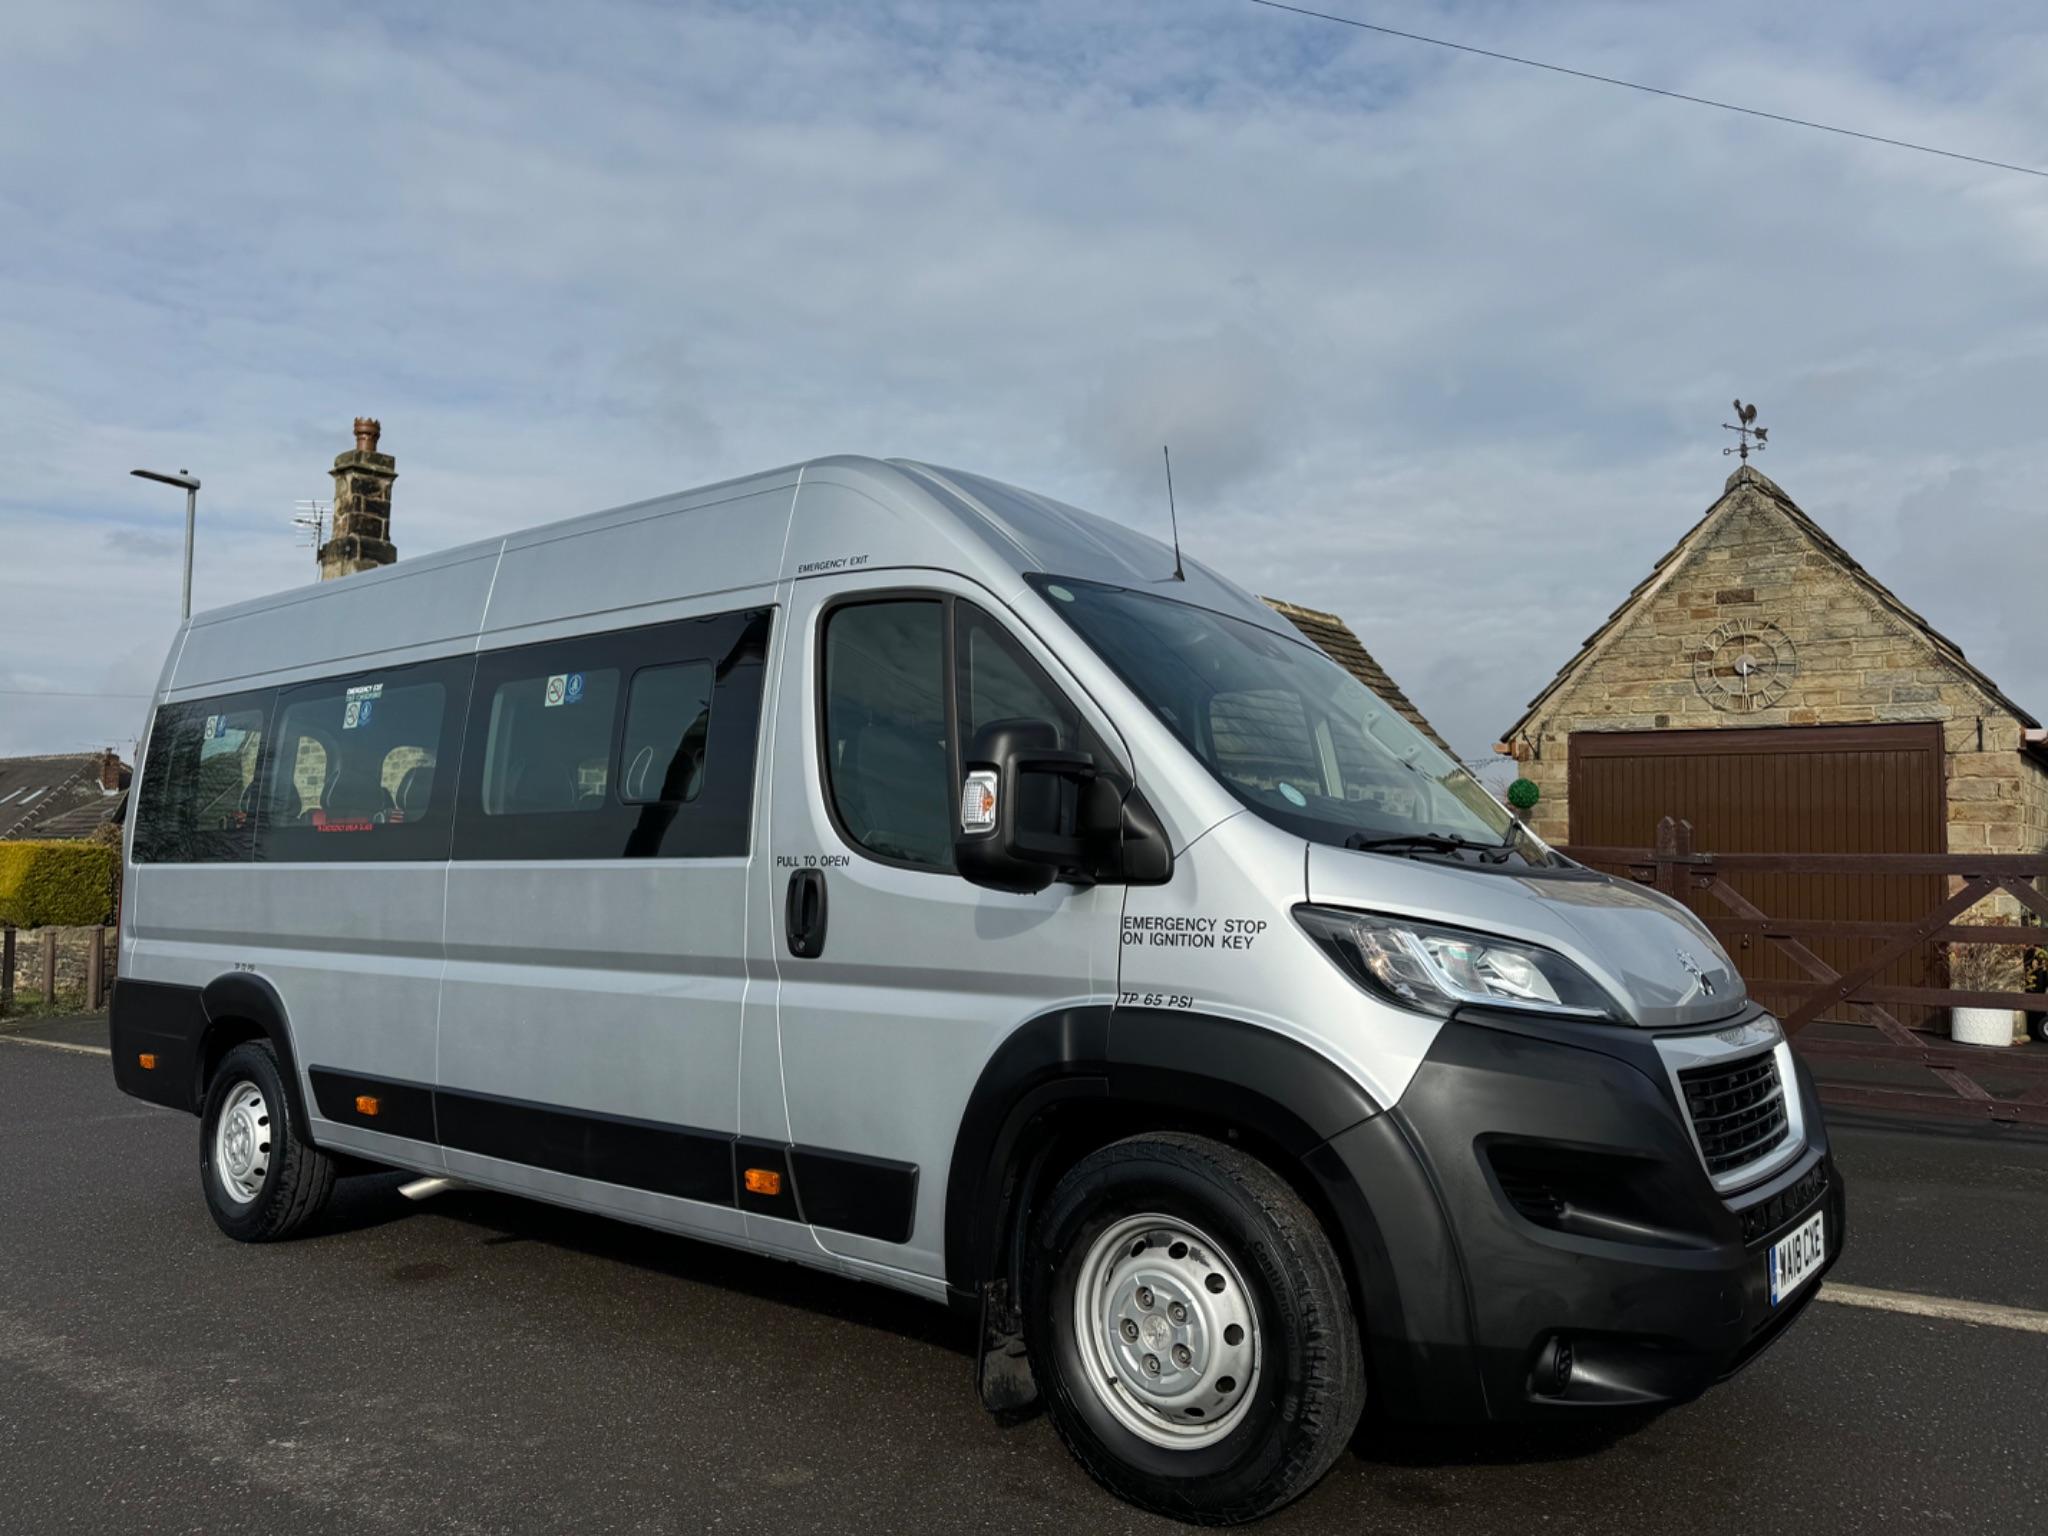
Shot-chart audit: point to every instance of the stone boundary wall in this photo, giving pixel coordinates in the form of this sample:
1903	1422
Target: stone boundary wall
74	947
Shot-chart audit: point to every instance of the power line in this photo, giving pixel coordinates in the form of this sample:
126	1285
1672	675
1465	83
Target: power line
60	693
1648	90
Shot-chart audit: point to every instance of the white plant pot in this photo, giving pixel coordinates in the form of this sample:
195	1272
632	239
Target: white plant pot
1980	1026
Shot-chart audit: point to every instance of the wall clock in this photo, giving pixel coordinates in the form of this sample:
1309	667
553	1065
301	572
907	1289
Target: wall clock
1745	665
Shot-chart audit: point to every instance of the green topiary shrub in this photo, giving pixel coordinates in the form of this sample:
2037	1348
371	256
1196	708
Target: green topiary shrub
57	885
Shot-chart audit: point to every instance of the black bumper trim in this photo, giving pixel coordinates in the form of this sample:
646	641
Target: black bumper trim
1468	1287
164	1021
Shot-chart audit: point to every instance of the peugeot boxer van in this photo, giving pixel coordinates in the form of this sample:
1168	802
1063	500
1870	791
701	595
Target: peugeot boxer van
883	868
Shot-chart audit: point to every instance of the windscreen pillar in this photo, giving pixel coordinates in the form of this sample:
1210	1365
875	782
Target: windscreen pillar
362	507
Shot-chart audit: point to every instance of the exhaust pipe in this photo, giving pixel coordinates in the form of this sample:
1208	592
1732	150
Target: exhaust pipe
422	1189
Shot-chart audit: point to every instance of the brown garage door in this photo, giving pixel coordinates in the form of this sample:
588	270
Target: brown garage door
1780	789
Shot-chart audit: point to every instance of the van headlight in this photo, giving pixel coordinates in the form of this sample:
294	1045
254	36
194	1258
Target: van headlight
1436	970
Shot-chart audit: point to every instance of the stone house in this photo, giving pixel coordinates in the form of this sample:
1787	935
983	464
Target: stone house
1851	707
1764	686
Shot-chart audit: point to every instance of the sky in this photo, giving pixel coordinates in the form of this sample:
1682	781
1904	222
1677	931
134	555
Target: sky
1440	344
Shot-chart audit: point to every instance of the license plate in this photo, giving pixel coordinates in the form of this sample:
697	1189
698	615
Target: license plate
1796	1258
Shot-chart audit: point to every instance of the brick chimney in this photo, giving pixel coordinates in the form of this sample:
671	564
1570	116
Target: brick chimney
362	507
113	772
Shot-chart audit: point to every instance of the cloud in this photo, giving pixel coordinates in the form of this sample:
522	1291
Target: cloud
1439	344
1220	399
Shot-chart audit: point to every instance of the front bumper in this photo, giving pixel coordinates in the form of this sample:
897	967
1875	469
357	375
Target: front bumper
1537	1191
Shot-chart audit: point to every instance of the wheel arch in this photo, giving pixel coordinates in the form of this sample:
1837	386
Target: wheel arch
1068	1082
240	1006
1072	1080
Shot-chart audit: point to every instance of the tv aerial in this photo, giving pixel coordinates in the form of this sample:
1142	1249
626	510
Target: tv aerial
310	518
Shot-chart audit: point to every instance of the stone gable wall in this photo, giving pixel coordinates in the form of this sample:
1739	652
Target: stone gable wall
1857	664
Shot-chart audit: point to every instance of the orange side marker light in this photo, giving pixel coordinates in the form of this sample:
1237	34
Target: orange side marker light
146	1060
763	1181
366	1104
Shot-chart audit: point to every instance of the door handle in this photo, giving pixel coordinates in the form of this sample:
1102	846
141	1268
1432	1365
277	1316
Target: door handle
804	913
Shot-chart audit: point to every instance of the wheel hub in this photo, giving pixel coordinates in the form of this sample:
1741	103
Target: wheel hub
1168	1329
241	1143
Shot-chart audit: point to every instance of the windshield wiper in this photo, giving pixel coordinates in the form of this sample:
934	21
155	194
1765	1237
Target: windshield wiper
1436	842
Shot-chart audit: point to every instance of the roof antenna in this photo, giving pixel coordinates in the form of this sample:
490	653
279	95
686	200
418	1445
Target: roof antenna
1173	513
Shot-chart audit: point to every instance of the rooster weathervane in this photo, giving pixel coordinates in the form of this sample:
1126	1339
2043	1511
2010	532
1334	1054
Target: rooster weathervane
1746	428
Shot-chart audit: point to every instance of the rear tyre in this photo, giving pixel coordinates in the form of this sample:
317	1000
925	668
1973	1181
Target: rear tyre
262	1183
1190	1329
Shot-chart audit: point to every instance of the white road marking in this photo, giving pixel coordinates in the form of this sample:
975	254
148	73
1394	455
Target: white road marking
1983	1313
57	1045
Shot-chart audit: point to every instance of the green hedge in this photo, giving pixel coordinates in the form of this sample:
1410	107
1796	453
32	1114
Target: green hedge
60	885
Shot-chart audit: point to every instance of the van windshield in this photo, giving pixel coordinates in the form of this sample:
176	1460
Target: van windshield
1287	730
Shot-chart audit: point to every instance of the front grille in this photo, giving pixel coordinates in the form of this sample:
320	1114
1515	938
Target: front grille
1738	1112
1768	1215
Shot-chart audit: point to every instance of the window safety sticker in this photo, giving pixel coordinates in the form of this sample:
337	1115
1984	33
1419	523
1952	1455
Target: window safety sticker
564	688
357	713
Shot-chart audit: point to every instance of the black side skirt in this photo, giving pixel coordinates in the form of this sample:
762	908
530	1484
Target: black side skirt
839	1191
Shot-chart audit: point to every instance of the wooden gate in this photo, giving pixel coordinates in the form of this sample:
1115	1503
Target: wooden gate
1723	884
1780	790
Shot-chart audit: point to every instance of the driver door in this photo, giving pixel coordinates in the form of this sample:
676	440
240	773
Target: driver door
916	976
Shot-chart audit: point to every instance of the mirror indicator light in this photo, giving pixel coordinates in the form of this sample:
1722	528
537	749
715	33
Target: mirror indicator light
978	802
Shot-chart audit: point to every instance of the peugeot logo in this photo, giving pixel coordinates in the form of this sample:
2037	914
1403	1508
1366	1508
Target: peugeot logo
1697	972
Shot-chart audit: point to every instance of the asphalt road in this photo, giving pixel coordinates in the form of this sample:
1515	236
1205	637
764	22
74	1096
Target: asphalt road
486	1364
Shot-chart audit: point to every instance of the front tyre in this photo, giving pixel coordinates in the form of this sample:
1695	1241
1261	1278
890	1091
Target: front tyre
1190	1329
262	1183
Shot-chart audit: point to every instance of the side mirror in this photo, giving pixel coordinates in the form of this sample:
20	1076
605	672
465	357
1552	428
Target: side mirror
1031	813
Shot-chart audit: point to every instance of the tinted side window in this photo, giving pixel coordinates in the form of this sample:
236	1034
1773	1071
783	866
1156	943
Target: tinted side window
999	681
199	793
547	748
357	773
668	733
637	743
888	758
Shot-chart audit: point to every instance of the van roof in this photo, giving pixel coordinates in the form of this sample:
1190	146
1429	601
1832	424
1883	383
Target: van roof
825	514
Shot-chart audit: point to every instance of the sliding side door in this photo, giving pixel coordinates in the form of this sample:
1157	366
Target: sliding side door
590	1014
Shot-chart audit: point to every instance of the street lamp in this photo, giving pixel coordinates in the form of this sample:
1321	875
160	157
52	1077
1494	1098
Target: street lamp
191	484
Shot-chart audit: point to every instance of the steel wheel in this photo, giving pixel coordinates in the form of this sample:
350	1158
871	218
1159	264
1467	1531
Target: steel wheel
1169	1332
241	1143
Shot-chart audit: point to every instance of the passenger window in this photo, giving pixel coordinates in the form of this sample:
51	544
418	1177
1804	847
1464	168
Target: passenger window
548	748
668	730
199	792
357	767
600	746
888	763
998	681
